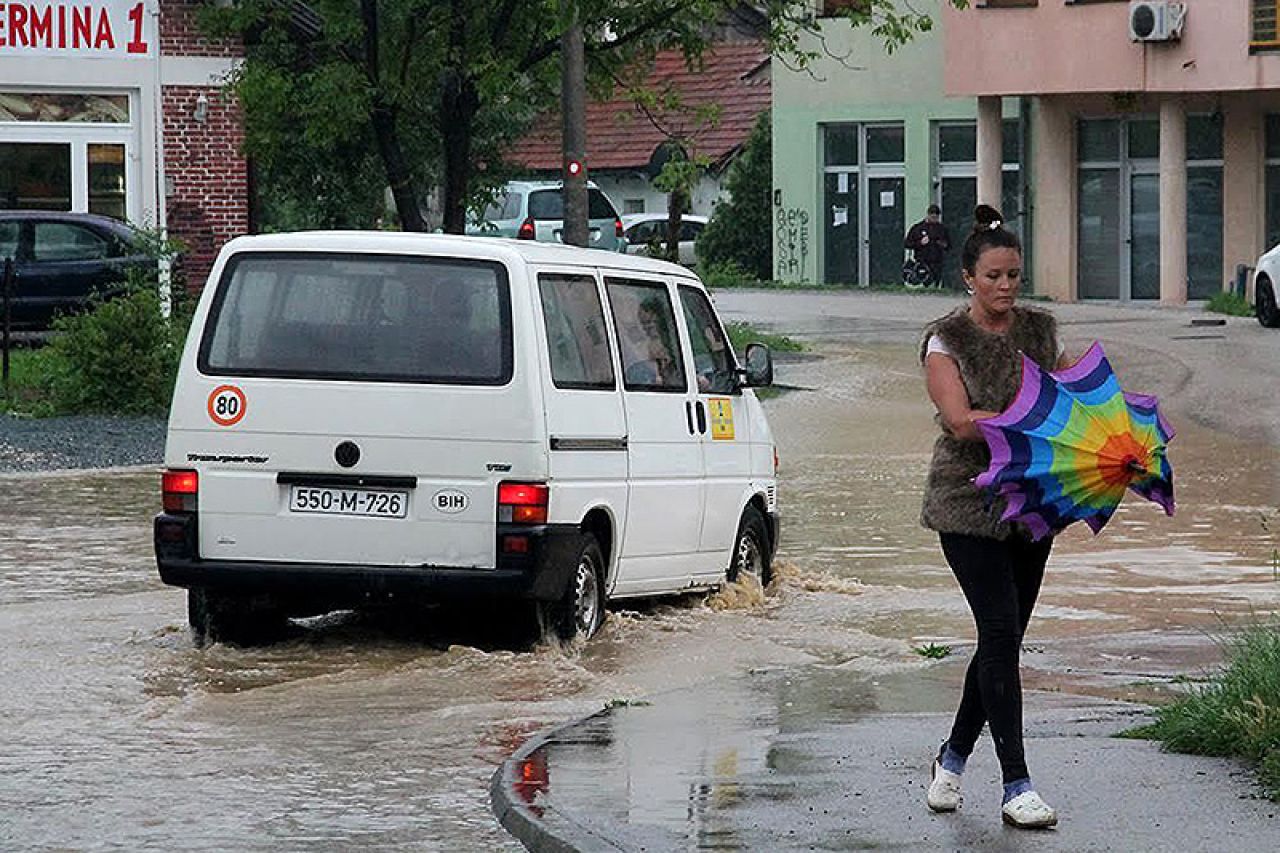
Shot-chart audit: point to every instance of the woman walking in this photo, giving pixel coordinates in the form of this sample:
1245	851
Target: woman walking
973	366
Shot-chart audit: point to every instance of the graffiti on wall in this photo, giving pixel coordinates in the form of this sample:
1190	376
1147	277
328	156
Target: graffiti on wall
791	244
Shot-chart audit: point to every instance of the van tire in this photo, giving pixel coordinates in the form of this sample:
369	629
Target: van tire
751	551
222	618
580	610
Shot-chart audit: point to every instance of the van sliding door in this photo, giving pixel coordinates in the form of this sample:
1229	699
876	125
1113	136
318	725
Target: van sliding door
664	512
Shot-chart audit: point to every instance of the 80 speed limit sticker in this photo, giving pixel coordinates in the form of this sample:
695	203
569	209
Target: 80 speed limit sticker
227	405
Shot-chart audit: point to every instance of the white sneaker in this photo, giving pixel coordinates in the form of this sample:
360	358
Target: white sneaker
944	789
1028	811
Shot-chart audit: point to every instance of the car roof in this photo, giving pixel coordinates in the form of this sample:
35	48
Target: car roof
633	218
450	245
66	216
540	185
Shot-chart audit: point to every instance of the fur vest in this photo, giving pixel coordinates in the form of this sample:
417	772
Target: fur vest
991	369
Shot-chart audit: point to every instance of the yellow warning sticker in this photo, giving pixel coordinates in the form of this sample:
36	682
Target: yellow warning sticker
721	418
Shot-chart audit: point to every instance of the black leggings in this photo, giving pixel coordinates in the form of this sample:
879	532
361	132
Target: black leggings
1000	579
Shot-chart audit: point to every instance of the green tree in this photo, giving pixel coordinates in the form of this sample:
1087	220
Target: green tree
430	93
738	234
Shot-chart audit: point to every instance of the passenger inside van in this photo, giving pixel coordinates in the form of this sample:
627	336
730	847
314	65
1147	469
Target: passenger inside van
647	353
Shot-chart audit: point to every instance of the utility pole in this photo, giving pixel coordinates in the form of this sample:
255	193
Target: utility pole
573	106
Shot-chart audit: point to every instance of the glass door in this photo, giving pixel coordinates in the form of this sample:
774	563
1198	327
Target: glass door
958	198
840	218
886	226
1144	235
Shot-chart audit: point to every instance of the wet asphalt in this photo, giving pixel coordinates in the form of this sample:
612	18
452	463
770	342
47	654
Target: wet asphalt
836	757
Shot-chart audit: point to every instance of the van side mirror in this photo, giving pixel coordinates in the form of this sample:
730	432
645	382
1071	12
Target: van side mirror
758	371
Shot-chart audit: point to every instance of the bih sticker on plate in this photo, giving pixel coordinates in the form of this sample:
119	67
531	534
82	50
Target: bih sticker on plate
227	405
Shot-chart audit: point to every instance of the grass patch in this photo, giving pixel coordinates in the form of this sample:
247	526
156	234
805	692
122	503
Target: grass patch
933	651
1236	714
741	334
1231	304
29	378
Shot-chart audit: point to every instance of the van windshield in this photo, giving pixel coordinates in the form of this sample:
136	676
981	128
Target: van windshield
367	317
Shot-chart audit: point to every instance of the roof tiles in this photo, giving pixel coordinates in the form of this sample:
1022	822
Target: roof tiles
732	75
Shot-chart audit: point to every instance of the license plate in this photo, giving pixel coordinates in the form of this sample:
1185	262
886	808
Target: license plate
330	501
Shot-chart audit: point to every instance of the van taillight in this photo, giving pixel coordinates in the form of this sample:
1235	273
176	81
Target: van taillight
526	231
617	228
179	491
523	503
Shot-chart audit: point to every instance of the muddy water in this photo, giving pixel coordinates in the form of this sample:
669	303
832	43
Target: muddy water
117	732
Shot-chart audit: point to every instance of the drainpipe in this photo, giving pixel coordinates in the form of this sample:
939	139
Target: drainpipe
1025	181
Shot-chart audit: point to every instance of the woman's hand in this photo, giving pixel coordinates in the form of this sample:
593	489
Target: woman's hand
946	389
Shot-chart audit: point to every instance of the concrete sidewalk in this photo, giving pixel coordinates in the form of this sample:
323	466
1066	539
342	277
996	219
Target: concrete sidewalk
827	759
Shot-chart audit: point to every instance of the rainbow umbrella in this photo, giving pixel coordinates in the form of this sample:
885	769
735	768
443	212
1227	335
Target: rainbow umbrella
1071	443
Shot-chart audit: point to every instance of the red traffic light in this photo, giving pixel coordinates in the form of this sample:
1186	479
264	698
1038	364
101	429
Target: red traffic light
573	168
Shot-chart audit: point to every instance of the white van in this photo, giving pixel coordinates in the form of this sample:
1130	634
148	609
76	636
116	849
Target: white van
363	418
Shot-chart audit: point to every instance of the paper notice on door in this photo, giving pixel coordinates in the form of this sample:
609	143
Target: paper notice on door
888	198
842	182
839	216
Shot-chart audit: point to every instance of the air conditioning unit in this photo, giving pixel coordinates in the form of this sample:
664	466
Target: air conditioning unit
1156	20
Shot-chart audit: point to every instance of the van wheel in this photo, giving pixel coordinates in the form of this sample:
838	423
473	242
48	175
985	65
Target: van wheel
222	618
1264	303
580	611
751	549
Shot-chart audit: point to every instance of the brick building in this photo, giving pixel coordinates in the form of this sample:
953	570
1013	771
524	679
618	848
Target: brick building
117	107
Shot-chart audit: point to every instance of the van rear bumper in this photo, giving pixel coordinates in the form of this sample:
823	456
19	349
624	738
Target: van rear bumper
542	573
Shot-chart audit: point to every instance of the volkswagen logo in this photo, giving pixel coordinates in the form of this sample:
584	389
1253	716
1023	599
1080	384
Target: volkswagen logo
347	454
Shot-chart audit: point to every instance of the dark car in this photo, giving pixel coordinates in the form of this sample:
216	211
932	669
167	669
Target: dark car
61	260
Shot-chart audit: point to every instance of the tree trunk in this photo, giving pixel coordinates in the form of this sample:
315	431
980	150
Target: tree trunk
397	168
677	204
458	108
573	97
383	118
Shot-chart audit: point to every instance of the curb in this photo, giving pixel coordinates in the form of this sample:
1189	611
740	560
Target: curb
539	826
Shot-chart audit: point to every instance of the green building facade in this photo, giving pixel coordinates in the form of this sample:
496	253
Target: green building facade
863	142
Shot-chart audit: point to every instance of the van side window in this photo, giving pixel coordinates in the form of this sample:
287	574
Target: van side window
647	336
712	356
576	336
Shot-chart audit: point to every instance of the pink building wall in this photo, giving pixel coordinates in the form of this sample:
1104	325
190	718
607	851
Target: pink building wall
1056	48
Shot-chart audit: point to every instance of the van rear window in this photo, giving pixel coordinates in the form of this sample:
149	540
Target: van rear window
549	204
364	317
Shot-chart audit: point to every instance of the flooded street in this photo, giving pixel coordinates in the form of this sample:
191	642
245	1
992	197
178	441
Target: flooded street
118	733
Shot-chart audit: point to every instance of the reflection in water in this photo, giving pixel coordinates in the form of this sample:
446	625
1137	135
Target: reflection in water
353	732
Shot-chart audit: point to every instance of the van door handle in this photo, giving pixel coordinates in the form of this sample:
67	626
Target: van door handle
702	417
688	415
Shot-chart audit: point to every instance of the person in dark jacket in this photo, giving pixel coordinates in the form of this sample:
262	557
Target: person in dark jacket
929	240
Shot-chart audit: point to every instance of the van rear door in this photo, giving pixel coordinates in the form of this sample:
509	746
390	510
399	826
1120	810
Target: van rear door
355	409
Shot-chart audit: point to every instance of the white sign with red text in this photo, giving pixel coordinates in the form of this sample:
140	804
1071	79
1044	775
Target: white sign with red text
115	29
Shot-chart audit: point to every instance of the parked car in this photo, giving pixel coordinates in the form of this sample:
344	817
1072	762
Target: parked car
62	259
364	418
1265	284
646	234
534	210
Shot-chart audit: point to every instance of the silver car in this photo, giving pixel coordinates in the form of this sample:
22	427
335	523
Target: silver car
646	234
534	210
